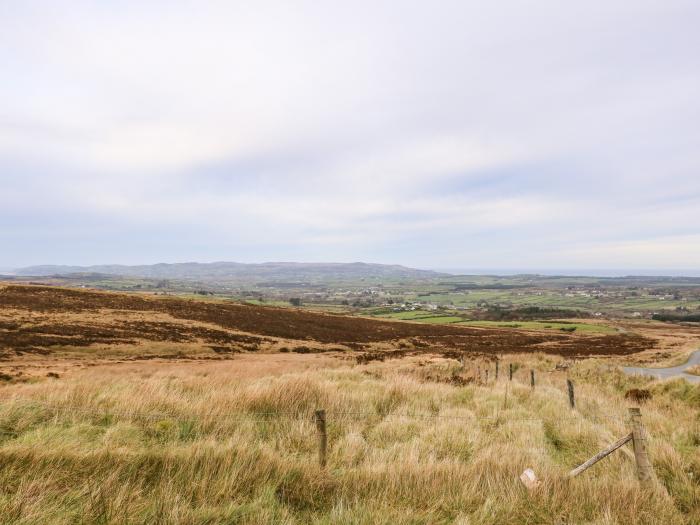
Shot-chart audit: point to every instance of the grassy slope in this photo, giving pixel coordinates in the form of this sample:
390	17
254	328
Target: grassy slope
189	447
544	325
436	318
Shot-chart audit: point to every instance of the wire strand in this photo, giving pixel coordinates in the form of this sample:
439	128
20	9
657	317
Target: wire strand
306	415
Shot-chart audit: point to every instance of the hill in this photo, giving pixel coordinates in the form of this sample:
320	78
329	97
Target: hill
269	271
37	319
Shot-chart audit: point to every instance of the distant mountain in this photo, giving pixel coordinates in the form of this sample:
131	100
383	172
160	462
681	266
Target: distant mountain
271	271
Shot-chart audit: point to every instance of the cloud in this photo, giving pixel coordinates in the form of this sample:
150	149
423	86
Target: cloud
458	134
672	252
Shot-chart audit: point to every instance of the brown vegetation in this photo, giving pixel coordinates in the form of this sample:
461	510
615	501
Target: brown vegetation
39	319
638	395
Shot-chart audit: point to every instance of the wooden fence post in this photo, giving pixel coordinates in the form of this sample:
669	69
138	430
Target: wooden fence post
532	378
570	387
510	371
600	455
645	472
322	436
496	370
487	375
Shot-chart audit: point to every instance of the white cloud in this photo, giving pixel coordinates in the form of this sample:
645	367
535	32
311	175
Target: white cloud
364	123
672	252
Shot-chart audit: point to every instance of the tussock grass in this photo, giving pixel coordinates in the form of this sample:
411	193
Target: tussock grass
406	445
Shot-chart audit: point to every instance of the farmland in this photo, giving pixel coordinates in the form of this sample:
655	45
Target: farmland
135	408
432	318
468	296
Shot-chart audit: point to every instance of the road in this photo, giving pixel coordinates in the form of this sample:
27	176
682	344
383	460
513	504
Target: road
671	372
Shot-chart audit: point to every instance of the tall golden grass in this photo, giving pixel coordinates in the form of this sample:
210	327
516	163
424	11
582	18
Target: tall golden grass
406	446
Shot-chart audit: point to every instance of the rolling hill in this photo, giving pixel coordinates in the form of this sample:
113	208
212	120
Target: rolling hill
269	271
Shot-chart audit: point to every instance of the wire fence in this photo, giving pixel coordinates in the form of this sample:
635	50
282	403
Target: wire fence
63	411
321	418
301	415
214	422
217	423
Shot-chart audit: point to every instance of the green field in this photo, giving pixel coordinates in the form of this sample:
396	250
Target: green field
423	317
441	319
468	294
543	325
429	317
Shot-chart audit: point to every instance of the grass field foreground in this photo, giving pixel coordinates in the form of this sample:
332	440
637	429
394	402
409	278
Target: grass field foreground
408	443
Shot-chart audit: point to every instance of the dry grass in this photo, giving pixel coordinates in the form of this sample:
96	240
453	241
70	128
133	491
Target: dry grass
181	444
695	370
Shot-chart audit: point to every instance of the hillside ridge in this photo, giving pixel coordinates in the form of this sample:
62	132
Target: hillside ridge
228	270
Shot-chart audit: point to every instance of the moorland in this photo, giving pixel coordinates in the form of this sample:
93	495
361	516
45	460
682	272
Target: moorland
146	407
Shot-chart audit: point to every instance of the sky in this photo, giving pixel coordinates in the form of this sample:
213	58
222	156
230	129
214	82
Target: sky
443	134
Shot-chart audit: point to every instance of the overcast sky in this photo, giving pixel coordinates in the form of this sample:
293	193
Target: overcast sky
465	134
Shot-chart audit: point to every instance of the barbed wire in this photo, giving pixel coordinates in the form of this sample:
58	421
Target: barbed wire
308	415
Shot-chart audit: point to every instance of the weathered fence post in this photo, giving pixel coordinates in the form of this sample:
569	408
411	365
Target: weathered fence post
570	387
600	455
322	436
510	371
487	375
496	370
532	378
645	472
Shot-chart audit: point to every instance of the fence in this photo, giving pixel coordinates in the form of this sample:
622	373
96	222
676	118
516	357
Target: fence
323	418
637	435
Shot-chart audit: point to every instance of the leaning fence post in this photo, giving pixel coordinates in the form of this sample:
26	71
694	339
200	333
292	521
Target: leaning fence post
570	387
532	378
600	455
322	436
645	472
510	371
